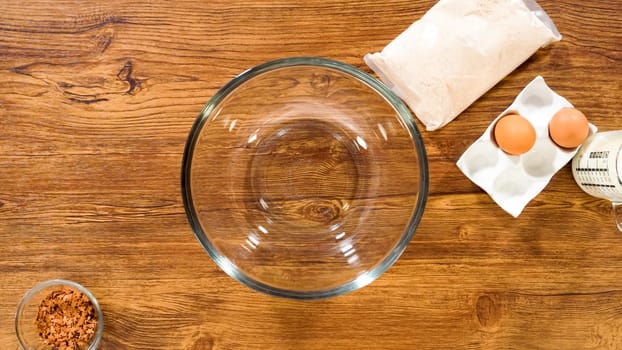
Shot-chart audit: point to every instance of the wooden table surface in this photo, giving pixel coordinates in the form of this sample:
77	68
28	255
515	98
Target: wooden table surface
96	101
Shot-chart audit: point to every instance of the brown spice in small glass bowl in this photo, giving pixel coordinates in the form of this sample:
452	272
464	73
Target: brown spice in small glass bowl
66	320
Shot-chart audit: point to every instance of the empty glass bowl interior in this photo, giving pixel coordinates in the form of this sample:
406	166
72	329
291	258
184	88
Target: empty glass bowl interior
304	178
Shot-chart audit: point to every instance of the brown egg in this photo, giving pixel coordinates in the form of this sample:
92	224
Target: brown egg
569	128
514	134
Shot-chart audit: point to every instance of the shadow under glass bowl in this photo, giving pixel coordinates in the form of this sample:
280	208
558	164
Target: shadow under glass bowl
28	308
304	178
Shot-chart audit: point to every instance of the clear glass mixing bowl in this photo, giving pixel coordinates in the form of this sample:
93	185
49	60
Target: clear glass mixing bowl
304	178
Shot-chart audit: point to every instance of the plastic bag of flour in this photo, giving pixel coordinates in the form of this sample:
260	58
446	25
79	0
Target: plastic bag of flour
459	50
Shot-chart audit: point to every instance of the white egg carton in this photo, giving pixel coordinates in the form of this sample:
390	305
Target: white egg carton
513	181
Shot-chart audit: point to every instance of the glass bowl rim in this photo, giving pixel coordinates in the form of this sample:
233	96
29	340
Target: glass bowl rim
61	282
227	265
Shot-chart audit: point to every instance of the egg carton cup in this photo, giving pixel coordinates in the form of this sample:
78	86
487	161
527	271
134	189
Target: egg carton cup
514	180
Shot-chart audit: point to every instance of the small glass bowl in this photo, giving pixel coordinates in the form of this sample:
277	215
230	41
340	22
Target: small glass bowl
28	308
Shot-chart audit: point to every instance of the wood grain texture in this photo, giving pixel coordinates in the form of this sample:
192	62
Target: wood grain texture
96	101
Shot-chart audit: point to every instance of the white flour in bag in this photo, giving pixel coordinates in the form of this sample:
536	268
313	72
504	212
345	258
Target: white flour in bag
459	50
